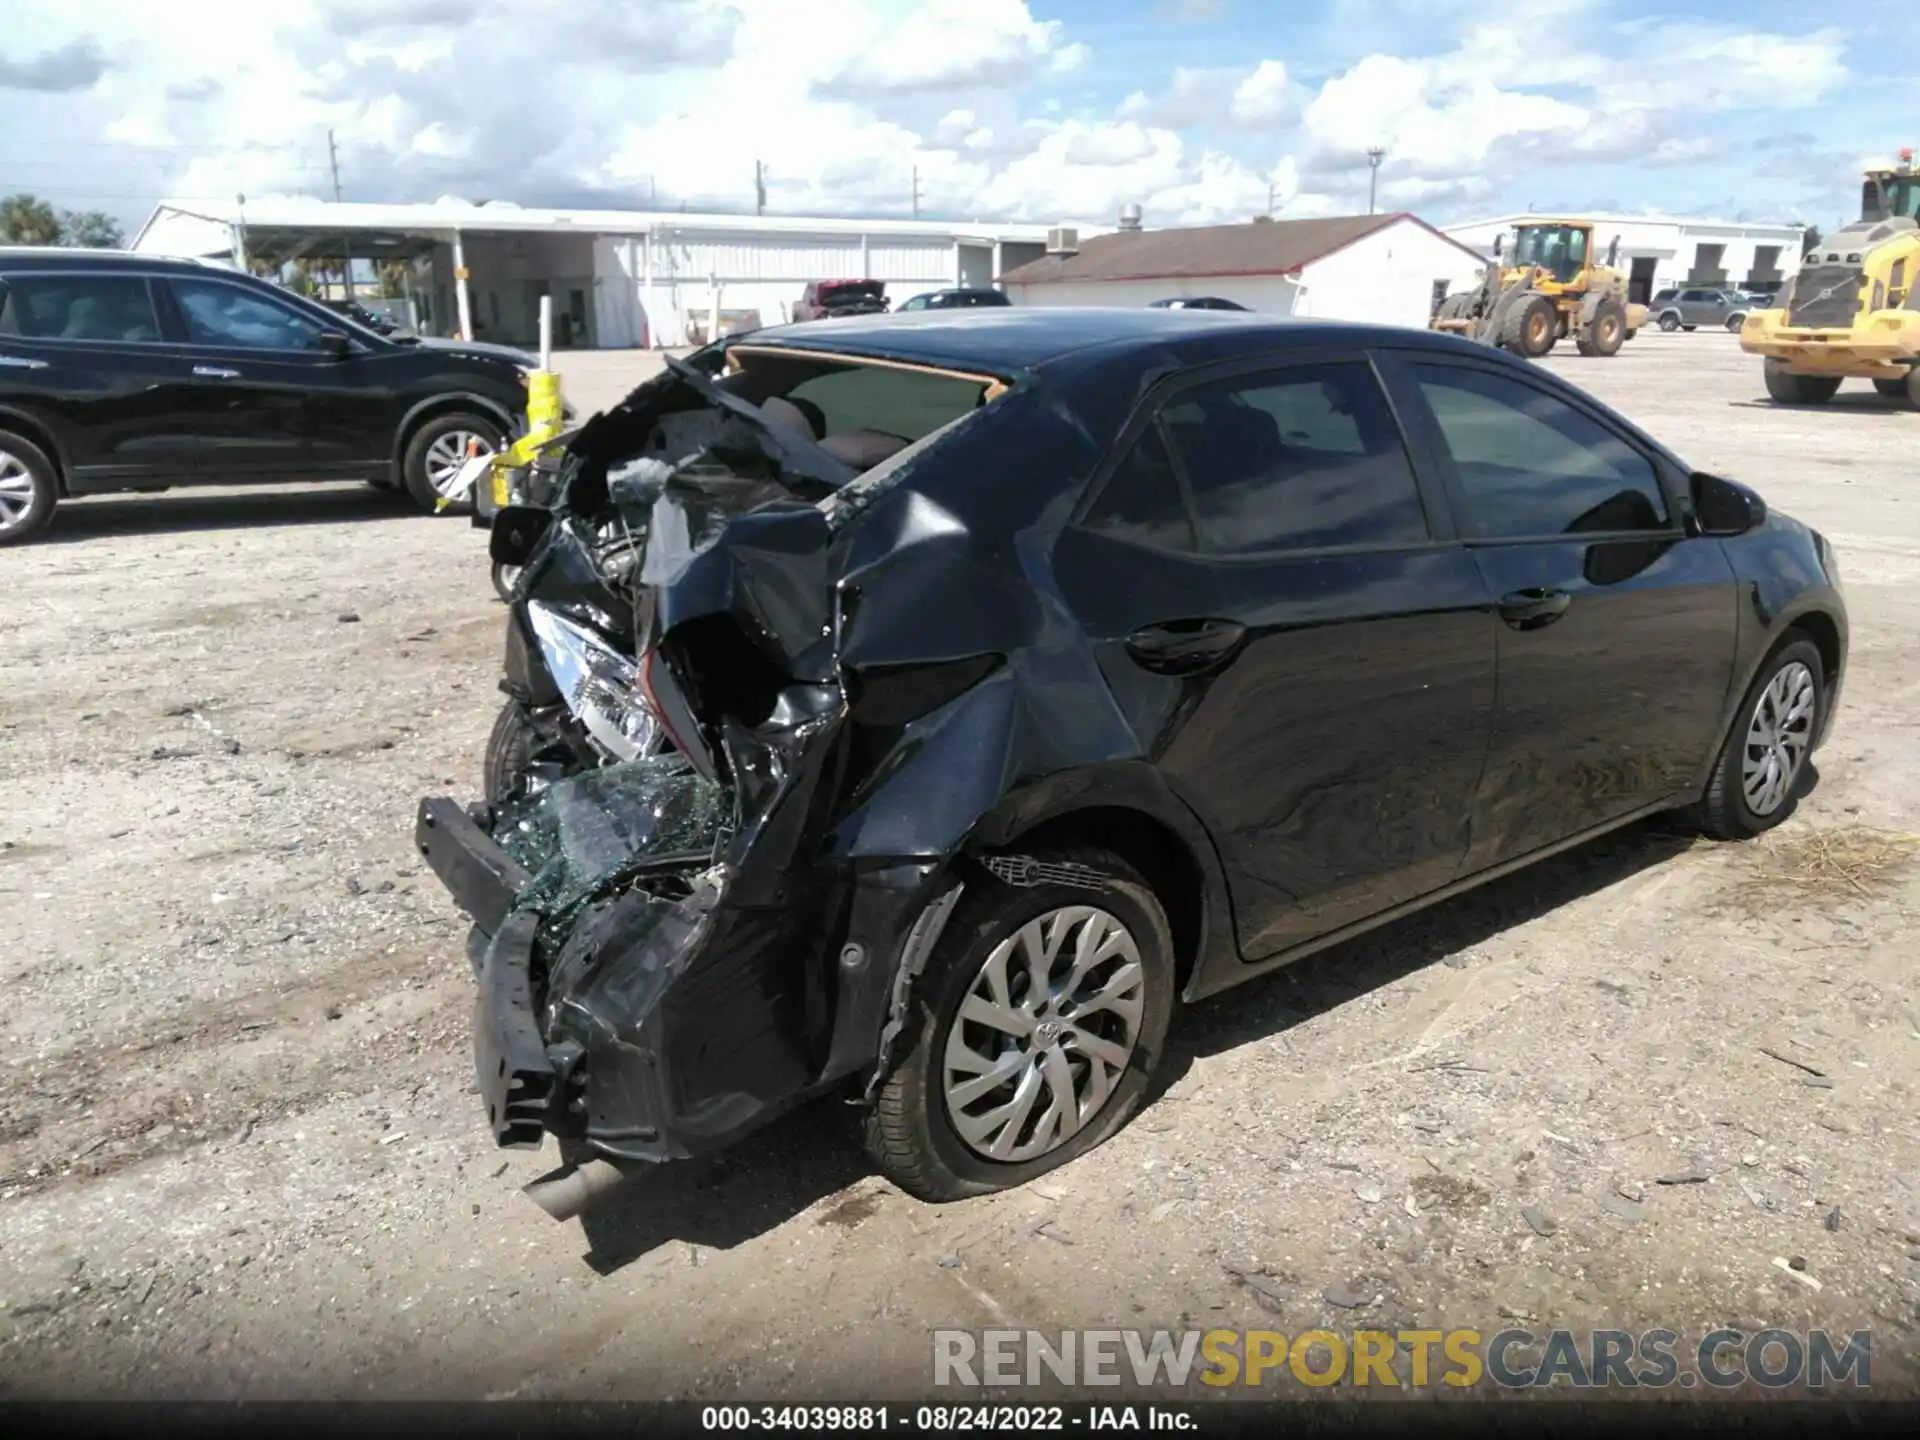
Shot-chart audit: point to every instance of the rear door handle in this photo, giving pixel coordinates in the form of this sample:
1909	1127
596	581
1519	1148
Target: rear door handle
18	362
214	372
1186	647
1530	609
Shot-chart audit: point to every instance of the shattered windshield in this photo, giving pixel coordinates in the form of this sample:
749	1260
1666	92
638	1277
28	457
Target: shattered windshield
583	834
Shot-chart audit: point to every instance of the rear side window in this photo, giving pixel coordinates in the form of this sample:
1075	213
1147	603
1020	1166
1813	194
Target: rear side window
1140	503
1304	458
1529	464
78	307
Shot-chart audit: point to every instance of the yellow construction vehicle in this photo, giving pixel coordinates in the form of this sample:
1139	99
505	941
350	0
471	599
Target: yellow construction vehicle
1853	311
1548	289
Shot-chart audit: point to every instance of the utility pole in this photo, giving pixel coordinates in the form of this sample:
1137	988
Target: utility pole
1273	191
759	188
333	163
916	192
1374	156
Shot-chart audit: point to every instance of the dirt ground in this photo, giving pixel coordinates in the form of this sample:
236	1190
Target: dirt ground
239	1156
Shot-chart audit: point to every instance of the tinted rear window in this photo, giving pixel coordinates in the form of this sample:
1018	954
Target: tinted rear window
78	307
903	403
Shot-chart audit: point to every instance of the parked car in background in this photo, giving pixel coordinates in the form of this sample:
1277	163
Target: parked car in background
1028	675
132	372
1195	302
967	299
826	299
355	311
1694	306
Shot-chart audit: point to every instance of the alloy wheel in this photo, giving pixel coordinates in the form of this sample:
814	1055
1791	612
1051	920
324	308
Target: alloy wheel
1778	736
448	455
1046	1030
16	490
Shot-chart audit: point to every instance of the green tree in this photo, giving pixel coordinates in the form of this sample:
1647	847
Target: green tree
94	229
28	220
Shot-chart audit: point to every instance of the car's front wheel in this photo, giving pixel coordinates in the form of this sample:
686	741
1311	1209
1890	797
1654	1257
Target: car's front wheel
437	453
1037	1025
1762	768
1669	323
28	489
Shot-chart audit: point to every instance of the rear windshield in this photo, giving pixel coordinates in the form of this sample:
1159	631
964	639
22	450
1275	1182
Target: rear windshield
903	403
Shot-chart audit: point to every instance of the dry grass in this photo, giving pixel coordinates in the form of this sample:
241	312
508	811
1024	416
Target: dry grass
1825	866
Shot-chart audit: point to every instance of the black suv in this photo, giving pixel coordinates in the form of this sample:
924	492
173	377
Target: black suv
130	372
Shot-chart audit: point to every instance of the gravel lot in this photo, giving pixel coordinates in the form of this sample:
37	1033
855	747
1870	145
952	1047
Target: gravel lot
238	1156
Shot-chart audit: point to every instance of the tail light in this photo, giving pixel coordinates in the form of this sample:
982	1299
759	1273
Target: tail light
676	716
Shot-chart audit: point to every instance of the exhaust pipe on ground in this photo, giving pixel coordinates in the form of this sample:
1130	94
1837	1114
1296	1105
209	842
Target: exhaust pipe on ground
568	1191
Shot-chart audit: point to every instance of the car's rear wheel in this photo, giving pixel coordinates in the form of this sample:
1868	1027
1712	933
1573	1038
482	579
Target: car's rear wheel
1762	768
29	489
1037	1026
438	451
1790	389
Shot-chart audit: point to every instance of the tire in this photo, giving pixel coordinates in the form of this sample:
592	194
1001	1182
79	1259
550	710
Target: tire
504	577
1734	322
1530	327
910	1132
427	451
1790	389
1689	328
1606	333
524	754
1893	389
29	489
1728	811
1669	323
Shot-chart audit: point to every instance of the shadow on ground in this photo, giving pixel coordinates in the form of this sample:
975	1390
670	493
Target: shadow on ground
201	510
783	1170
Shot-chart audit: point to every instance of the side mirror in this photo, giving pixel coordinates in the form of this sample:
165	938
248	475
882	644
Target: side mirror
515	532
1613	251
1725	508
333	343
1498	241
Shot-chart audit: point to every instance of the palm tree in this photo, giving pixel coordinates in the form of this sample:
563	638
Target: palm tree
28	220
92	229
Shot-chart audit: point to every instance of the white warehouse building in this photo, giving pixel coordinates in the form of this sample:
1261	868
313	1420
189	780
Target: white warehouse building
617	278
1387	269
1663	252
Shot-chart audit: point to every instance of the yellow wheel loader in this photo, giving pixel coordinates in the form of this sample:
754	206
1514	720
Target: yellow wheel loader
1548	289
1853	311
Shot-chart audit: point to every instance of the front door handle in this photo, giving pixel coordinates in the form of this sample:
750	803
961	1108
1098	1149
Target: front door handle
1186	647
17	362
1530	609
214	372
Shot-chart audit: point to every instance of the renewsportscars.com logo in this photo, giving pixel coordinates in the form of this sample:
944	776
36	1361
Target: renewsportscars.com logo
1720	1359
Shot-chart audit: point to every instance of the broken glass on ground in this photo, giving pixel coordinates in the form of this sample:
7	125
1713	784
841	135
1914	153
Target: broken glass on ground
582	835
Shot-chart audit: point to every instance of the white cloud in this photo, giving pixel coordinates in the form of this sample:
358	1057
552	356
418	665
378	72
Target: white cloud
1000	111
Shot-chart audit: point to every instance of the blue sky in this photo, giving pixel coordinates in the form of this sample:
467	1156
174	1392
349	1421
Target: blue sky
1198	110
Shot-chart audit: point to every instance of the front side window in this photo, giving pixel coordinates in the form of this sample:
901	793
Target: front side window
1531	465
1298	459
78	307
229	317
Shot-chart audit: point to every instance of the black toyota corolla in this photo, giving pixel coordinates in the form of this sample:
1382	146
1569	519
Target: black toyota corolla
1029	673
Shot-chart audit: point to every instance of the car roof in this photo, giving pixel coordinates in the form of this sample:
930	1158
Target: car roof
1005	340
23	258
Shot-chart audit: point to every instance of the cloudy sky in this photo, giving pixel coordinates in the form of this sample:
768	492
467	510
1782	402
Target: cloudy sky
1042	110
